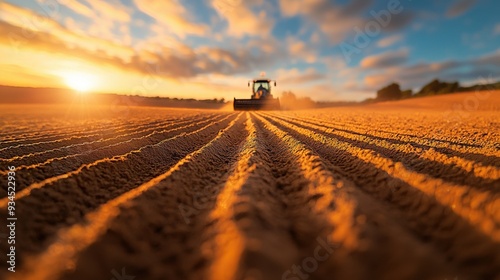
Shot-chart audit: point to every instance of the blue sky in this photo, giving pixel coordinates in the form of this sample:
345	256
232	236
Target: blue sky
328	50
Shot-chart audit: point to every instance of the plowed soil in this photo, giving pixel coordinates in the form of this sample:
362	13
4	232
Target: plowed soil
402	190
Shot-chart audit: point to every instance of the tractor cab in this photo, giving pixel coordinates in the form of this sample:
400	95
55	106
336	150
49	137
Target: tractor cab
261	89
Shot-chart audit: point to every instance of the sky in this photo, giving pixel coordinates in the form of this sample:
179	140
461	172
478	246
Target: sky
325	50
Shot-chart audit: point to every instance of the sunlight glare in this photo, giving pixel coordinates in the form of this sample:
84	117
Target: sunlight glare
81	82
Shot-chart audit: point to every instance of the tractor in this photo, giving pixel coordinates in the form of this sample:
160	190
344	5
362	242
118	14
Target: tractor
262	99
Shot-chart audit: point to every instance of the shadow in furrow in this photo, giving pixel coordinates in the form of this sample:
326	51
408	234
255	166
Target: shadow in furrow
366	243
163	226
69	163
72	140
469	250
447	172
39	156
477	157
262	224
61	133
66	201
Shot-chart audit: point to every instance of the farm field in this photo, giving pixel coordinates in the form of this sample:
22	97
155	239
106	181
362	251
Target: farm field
396	190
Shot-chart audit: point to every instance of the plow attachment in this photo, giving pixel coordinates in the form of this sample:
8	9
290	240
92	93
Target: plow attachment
256	104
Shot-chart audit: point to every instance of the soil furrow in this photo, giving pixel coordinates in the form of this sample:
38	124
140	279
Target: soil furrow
357	224
421	213
73	195
152	207
248	231
40	130
42	136
481	211
360	122
41	158
485	155
39	136
106	135
40	177
452	169
32	148
39	174
377	191
62	127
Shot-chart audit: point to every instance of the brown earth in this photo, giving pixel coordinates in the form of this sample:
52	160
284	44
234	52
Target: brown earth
396	190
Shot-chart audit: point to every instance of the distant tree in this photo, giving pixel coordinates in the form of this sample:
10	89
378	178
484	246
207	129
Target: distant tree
436	87
448	88
368	101
407	93
390	92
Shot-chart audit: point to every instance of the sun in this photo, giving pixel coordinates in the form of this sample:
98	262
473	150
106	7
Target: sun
81	82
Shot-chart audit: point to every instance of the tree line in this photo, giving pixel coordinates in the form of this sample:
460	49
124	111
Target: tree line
393	91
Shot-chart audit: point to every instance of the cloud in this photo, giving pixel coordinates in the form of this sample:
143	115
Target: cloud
460	7
177	62
265	44
492	59
112	9
399	21
107	20
29	24
356	7
51	43
389	41
77	7
419	74
299	50
496	30
239	61
386	59
296	77
322	8
172	16
336	21
333	20
241	19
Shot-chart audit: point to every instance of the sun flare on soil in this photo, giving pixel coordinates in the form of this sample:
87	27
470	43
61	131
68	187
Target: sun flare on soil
81	82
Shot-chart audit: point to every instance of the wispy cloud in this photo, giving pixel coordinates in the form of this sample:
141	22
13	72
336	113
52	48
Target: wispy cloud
173	17
399	21
111	9
418	74
295	76
386	59
333	20
299	50
389	41
459	7
496	29
241	19
24	31
78	7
